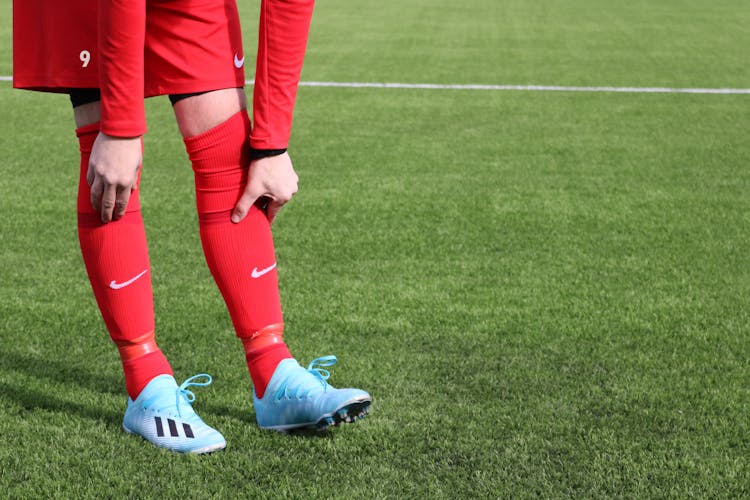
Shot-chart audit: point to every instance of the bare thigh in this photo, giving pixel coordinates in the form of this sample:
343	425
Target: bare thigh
200	113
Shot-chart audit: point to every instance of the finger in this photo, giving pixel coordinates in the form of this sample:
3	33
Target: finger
272	210
247	200
90	175
138	174
121	203
109	195
96	193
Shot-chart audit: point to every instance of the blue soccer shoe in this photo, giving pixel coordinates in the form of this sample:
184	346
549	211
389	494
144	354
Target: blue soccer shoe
163	415
296	397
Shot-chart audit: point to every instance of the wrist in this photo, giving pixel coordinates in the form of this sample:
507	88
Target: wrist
257	154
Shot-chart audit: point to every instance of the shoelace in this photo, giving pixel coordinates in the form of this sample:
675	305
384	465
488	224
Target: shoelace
187	393
302	387
182	393
321	373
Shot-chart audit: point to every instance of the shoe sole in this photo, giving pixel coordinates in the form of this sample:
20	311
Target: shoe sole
200	451
348	413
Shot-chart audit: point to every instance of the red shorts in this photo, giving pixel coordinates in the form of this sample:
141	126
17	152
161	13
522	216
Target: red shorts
55	46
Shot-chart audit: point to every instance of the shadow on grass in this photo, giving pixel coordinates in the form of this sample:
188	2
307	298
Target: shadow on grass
310	433
38	400
246	416
68	371
242	413
71	373
75	374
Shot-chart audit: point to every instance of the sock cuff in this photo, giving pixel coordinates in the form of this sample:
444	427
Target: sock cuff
261	340
86	136
214	137
131	349
220	158
88	129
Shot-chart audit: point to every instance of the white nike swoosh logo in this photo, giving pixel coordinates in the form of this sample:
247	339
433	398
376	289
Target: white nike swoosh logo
258	273
238	62
116	286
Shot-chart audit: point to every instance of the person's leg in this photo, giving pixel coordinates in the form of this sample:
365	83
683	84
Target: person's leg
116	258
241	258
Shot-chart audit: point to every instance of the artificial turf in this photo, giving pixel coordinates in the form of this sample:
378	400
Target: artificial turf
546	293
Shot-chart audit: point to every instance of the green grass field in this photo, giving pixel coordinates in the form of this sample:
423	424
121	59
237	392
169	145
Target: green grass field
545	292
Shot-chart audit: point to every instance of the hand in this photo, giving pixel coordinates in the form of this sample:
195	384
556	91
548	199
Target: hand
113	173
272	177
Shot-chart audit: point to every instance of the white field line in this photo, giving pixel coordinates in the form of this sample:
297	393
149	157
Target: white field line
521	88
527	88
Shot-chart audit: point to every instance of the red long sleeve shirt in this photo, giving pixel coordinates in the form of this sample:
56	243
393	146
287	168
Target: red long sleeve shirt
282	40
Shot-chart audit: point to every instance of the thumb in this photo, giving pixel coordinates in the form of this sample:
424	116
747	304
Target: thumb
248	198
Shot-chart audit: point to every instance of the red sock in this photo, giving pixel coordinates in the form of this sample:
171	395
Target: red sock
116	259
240	256
263	352
142	360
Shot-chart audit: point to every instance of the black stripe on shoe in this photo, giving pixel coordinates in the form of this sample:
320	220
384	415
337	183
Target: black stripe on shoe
188	430
159	427
173	428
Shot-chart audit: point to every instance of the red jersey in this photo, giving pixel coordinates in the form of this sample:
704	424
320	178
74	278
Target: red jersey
155	47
